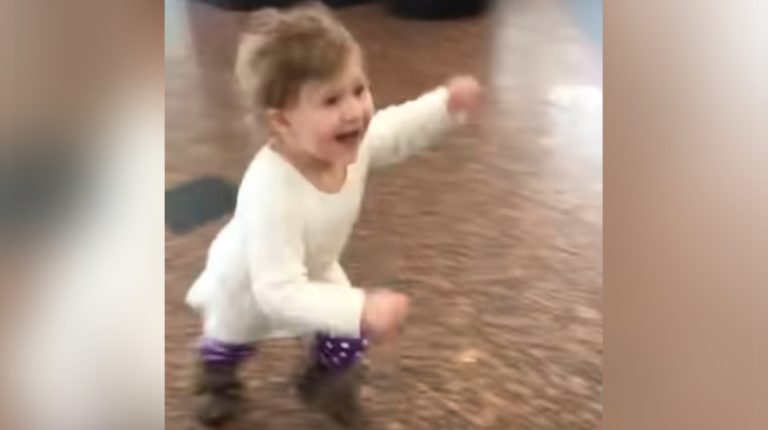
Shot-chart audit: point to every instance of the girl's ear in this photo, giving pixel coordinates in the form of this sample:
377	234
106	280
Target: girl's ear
278	122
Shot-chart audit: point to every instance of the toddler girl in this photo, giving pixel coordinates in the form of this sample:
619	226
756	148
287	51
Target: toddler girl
273	270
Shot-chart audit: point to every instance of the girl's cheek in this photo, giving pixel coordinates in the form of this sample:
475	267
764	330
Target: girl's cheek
369	108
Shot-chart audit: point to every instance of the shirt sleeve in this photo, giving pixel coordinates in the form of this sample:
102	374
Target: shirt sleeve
336	275
399	131
275	252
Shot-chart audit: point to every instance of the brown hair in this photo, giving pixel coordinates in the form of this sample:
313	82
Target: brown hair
294	47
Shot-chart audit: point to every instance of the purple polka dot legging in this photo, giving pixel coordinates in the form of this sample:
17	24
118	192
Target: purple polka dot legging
338	353
332	352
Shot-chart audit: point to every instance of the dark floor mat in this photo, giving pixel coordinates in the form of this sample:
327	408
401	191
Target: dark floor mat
39	184
198	202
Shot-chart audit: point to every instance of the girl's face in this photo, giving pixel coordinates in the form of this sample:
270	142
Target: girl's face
330	118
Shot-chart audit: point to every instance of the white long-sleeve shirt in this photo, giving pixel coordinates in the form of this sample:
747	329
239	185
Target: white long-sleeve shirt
274	270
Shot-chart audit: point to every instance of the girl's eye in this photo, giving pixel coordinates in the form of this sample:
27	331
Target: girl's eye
331	101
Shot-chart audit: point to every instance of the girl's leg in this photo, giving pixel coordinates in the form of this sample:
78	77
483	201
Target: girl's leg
337	354
218	353
218	381
331	381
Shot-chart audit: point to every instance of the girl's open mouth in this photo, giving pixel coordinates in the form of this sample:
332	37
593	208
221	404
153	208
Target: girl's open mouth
349	138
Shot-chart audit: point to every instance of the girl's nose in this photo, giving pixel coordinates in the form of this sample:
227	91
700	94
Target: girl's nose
353	110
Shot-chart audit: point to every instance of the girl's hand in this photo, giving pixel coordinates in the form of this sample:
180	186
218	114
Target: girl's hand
383	313
464	96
